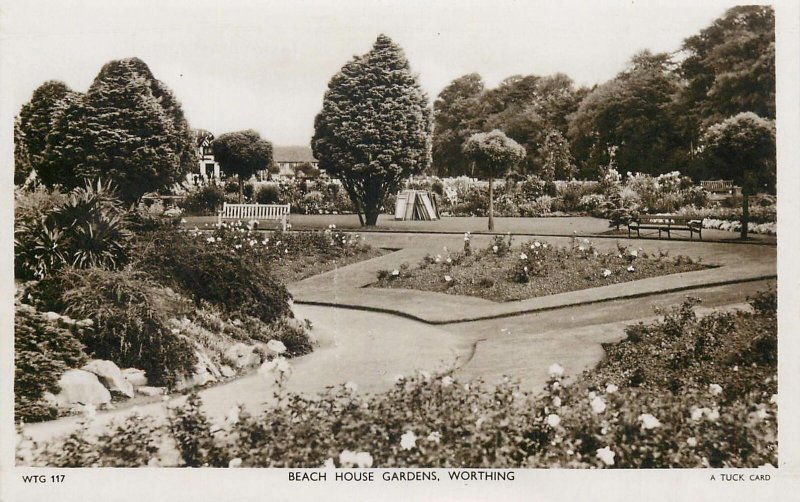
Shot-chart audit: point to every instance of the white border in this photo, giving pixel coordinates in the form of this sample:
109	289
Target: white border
550	485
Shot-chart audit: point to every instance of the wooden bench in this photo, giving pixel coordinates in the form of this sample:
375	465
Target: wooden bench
666	223
254	212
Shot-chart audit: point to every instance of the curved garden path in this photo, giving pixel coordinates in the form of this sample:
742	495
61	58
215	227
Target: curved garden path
370	335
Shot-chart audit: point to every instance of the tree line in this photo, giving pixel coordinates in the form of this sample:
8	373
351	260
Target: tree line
650	118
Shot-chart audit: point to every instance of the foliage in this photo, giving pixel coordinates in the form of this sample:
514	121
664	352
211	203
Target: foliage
632	114
374	128
242	153
207	199
268	194
233	281
131	314
493	153
86	228
45	345
457	115
33	126
730	68
558	162
743	148
127	127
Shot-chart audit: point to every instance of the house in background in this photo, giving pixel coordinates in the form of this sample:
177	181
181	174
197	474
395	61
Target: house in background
288	158
208	166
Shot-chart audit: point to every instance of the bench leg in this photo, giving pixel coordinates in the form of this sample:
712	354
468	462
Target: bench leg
283	223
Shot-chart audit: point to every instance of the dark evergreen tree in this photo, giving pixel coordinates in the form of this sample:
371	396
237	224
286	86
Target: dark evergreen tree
35	123
374	128
128	128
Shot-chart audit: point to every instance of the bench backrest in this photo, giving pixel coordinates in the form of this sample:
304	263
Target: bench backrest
256	211
667	218
717	185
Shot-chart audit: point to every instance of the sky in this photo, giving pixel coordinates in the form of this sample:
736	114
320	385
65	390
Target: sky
265	65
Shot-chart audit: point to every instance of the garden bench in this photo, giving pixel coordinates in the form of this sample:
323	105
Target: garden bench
254	212
666	223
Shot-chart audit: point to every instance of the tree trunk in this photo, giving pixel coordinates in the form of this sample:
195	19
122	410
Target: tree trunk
241	189
745	211
371	213
491	204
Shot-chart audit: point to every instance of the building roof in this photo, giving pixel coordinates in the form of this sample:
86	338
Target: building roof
292	154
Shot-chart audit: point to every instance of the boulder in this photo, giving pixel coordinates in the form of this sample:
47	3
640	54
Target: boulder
205	371
241	355
135	376
227	371
110	375
150	391
80	387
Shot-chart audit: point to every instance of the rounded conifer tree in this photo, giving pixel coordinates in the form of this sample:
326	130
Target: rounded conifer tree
128	128
374	128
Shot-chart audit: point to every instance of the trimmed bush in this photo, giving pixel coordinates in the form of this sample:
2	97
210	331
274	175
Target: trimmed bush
207	199
268	194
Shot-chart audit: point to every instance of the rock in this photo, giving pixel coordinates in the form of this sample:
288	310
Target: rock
50	398
80	387
241	355
207	363
150	391
135	376
51	317
227	371
111	376
205	371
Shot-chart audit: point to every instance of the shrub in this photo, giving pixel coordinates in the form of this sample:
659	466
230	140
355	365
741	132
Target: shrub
268	194
45	345
207	199
86	229
131	313
237	283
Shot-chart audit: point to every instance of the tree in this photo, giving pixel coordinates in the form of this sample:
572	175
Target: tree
557	159
633	113
22	164
730	68
128	127
374	128
457	115
242	153
307	170
35	122
494	154
742	148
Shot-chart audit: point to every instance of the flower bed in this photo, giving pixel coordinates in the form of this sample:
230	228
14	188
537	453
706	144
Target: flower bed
696	402
502	272
292	256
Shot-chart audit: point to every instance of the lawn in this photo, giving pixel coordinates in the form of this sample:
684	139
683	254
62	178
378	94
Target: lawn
504	272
